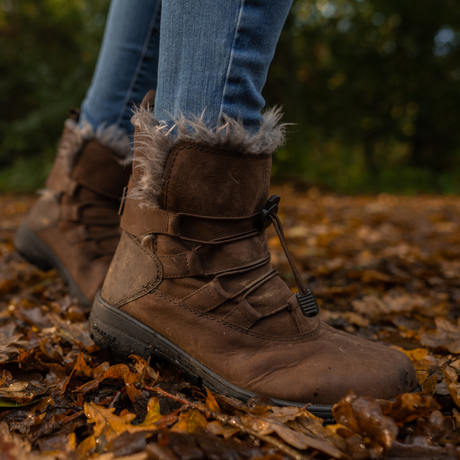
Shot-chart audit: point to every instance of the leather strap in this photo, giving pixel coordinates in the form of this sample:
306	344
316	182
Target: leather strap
181	265
244	315
64	183
148	220
73	213
213	294
77	234
207	298
188	226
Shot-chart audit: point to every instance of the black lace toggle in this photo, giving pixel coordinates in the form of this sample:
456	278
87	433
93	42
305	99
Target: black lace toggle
269	216
270	209
308	303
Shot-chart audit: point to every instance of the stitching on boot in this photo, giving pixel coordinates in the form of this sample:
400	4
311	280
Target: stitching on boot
297	320
296	338
154	141
175	155
235	313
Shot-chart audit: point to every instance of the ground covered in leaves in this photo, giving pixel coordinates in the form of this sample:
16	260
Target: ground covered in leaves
385	268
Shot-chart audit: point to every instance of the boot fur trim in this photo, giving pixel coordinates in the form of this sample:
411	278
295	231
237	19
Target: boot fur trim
154	141
111	136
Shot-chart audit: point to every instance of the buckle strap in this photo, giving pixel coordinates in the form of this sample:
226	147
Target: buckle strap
68	185
189	227
181	265
208	297
244	315
73	213
205	260
150	220
80	234
213	294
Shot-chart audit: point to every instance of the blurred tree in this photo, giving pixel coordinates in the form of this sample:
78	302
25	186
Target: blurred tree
48	51
373	86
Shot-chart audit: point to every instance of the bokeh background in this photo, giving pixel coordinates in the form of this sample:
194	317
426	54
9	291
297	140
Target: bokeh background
372	85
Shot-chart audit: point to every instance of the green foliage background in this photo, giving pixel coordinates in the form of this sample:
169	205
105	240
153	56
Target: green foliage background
372	85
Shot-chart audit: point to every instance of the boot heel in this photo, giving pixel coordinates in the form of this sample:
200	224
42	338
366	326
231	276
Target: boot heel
31	248
111	332
35	251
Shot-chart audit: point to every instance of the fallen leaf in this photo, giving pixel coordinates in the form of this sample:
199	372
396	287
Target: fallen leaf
211	402
452	383
191	421
408	407
81	368
364	416
446	335
217	429
106	422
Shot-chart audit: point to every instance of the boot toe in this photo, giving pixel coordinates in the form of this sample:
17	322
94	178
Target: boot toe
329	368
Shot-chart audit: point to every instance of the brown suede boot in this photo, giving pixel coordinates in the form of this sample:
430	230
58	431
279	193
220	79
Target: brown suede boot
192	282
74	226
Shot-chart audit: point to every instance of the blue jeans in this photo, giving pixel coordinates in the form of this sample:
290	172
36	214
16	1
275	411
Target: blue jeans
200	55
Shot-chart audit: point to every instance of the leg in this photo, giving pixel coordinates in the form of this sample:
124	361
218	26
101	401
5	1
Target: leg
74	227
214	57
192	280
127	66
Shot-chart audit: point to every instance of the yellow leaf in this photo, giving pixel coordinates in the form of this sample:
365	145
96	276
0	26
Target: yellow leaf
71	441
153	413
190	422
211	402
420	357
106	422
86	448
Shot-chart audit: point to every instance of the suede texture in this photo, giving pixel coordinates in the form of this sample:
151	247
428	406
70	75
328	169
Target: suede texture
224	304
77	216
320	366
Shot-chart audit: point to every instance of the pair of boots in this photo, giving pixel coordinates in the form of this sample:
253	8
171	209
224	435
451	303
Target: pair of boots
191	279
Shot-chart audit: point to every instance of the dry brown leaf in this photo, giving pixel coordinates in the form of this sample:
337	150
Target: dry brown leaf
446	335
452	383
299	440
106	421
81	368
408	407
429	385
217	428
364	416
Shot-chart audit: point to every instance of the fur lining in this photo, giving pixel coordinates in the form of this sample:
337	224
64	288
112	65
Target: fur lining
76	136
154	141
48	195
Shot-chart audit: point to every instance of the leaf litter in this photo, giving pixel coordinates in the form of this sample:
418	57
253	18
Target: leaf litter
385	268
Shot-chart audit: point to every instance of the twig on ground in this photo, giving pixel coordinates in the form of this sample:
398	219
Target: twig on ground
233	421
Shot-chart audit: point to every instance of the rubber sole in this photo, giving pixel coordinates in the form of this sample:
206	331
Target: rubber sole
35	251
122	335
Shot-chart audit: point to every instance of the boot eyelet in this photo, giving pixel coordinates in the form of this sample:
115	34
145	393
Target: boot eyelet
270	208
